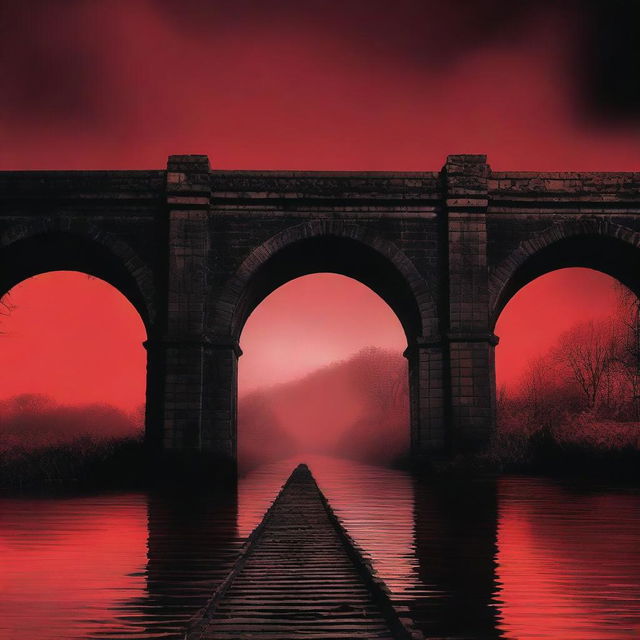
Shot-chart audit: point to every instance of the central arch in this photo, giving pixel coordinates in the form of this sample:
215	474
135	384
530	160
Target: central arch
333	247
328	246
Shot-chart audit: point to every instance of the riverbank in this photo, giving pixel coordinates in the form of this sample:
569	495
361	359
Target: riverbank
88	465
82	464
552	454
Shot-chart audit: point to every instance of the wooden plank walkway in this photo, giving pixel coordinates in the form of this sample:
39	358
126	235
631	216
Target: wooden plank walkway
300	575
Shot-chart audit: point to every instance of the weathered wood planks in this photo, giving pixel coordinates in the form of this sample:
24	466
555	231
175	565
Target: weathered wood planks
300	575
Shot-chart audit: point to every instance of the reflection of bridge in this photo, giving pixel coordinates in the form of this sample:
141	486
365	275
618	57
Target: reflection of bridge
196	250
432	542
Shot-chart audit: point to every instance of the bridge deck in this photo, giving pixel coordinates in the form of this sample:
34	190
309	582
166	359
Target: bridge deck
300	576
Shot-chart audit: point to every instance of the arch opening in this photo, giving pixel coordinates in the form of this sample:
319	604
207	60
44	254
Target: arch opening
32	252
322	372
77	377
381	268
568	362
608	254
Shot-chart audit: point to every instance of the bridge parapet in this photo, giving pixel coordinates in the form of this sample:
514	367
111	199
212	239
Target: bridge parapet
585	193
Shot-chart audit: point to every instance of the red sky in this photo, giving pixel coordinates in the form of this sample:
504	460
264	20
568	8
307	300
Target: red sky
334	317
74	338
383	85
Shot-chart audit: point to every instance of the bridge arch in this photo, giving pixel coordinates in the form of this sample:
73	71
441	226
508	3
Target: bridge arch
592	243
60	244
326	246
57	244
348	249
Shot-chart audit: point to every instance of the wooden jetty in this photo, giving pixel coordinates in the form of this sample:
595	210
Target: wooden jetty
300	575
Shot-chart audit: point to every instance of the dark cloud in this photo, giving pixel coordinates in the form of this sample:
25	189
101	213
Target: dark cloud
603	35
50	65
425	32
610	65
58	61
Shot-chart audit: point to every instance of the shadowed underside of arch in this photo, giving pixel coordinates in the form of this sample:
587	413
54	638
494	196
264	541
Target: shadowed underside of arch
336	247
47	245
595	244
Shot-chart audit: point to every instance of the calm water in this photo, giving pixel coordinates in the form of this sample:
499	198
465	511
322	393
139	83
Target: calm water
517	558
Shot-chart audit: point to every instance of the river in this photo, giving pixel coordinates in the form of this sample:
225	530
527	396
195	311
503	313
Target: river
515	558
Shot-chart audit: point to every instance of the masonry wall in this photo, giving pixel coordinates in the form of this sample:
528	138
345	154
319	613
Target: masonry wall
530	211
248	208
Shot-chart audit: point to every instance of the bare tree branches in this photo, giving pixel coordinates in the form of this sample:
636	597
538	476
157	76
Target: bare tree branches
587	351
593	369
6	307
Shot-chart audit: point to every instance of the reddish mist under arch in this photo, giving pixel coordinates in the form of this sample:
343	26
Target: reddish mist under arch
318	354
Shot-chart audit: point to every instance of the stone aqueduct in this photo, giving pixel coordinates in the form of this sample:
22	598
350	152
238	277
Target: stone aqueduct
195	250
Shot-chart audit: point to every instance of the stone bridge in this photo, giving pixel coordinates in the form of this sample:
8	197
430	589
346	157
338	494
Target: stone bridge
195	250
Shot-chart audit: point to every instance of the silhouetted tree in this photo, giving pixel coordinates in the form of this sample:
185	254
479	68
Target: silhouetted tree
584	392
587	351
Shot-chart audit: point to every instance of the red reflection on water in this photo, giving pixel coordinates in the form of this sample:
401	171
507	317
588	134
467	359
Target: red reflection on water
568	564
66	564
